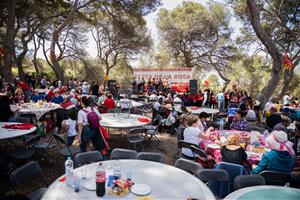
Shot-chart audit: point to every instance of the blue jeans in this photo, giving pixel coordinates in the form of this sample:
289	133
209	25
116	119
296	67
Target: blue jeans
91	134
70	140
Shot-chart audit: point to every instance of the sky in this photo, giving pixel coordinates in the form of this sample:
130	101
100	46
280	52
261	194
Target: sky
150	19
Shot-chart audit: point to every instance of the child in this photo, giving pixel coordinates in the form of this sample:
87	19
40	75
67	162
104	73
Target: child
69	126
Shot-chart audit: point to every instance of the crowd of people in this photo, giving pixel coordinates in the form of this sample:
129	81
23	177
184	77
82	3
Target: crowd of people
79	98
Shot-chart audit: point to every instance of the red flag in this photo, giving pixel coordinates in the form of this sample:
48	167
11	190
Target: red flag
287	61
205	83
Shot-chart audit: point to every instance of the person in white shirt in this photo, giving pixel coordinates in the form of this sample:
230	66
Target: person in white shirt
153	98
177	100
85	88
125	103
85	133
221	101
192	134
202	125
286	100
69	126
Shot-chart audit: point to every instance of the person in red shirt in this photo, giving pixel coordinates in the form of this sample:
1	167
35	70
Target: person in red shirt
50	94
25	88
109	103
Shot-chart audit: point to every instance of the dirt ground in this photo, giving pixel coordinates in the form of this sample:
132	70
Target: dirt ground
53	164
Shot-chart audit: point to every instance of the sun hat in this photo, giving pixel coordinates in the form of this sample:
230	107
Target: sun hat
278	140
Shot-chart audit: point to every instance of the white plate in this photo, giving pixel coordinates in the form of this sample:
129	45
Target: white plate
213	146
90	185
141	189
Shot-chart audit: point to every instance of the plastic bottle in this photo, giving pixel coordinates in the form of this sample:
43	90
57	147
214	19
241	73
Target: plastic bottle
221	126
69	171
100	180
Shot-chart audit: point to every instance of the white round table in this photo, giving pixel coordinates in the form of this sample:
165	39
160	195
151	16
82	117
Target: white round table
31	108
165	181
267	192
122	121
200	110
134	104
11	133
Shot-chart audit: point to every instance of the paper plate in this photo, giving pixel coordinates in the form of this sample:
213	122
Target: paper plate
141	189
213	146
90	185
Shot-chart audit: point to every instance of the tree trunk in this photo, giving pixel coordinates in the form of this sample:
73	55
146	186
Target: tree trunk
268	90
8	42
105	81
34	61
288	76
270	45
59	72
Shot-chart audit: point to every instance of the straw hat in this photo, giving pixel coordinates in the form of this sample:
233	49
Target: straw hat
278	140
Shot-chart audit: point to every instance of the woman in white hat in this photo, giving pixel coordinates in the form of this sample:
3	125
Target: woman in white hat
281	158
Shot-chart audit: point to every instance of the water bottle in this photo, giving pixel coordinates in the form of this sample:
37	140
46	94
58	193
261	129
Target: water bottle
221	126
100	180
69	172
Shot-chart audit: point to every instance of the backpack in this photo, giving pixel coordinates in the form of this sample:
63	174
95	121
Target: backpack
93	118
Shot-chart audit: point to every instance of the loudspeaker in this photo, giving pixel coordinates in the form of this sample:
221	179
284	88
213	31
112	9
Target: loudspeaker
193	86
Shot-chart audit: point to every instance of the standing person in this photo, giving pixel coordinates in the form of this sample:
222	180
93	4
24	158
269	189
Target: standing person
85	130
69	126
206	98
32	80
25	88
95	89
43	82
286	100
221	101
85	88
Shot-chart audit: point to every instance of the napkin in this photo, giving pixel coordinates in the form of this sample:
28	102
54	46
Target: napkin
194	108
62	179
18	126
143	119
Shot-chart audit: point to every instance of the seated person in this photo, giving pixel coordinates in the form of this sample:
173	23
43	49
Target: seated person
108	103
282	126
58	99
297	138
273	119
157	107
50	93
67	104
239	122
125	103
202	123
37	97
192	134
19	96
233	152
182	125
280	158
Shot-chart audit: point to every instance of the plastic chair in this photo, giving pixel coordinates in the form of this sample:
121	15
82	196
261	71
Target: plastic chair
65	151
27	151
233	170
87	157
275	178
212	176
119	153
257	128
25	173
156	157
25	120
136	137
152	132
243	181
183	144
188	165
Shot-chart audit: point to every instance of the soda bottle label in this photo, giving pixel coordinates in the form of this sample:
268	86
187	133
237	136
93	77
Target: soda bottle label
100	177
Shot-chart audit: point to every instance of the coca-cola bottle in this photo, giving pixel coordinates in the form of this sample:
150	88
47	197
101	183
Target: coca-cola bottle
100	180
